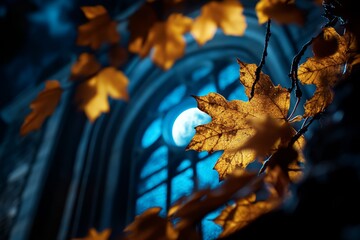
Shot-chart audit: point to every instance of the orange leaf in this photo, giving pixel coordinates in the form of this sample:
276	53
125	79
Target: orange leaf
238	215
273	136
167	41
100	28
93	234
326	68
97	85
245	210
149	225
117	56
139	25
92	95
228	15
282	11
85	66
229	129
190	210
42	107
268	135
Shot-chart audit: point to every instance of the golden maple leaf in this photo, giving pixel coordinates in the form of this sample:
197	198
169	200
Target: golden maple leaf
167	41
92	95
100	28
282	11
274	136
93	234
191	209
269	133
143	20
85	66
139	26
228	15
230	129
149	225
42	107
117	55
246	209
333	54
238	215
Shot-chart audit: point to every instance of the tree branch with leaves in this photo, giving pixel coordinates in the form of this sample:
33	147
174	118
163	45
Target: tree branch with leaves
260	129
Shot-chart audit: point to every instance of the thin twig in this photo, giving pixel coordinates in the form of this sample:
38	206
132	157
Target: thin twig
262	62
305	126
303	129
295	65
264	166
296	60
294	109
305	121
294	72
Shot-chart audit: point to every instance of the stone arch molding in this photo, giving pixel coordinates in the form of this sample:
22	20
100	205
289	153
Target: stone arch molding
101	162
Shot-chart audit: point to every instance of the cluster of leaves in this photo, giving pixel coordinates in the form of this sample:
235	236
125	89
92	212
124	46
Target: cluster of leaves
260	129
157	30
94	83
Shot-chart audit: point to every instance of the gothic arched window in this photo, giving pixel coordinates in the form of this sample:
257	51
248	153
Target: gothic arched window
164	170
134	157
160	120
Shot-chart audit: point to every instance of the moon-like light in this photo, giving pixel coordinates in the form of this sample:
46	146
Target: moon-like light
184	125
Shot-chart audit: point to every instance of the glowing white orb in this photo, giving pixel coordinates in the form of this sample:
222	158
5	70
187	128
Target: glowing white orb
184	125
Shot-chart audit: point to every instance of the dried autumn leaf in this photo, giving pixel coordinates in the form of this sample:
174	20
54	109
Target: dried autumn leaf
282	11
230	128
100	28
238	215
269	134
85	66
93	234
325	70
247	209
227	15
42	106
326	44
190	210
117	56
139	26
295	163
167	1
149	225
279	182
274	136
167	41
92	95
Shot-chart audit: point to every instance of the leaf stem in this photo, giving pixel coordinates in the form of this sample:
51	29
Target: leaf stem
305	126
264	166
262	62
303	129
294	109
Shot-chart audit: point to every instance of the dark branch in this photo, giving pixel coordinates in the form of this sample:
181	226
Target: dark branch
294	109
296	60
303	129
295	65
262	62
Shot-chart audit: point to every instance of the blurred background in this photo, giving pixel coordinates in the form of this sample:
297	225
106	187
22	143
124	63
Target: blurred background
72	175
